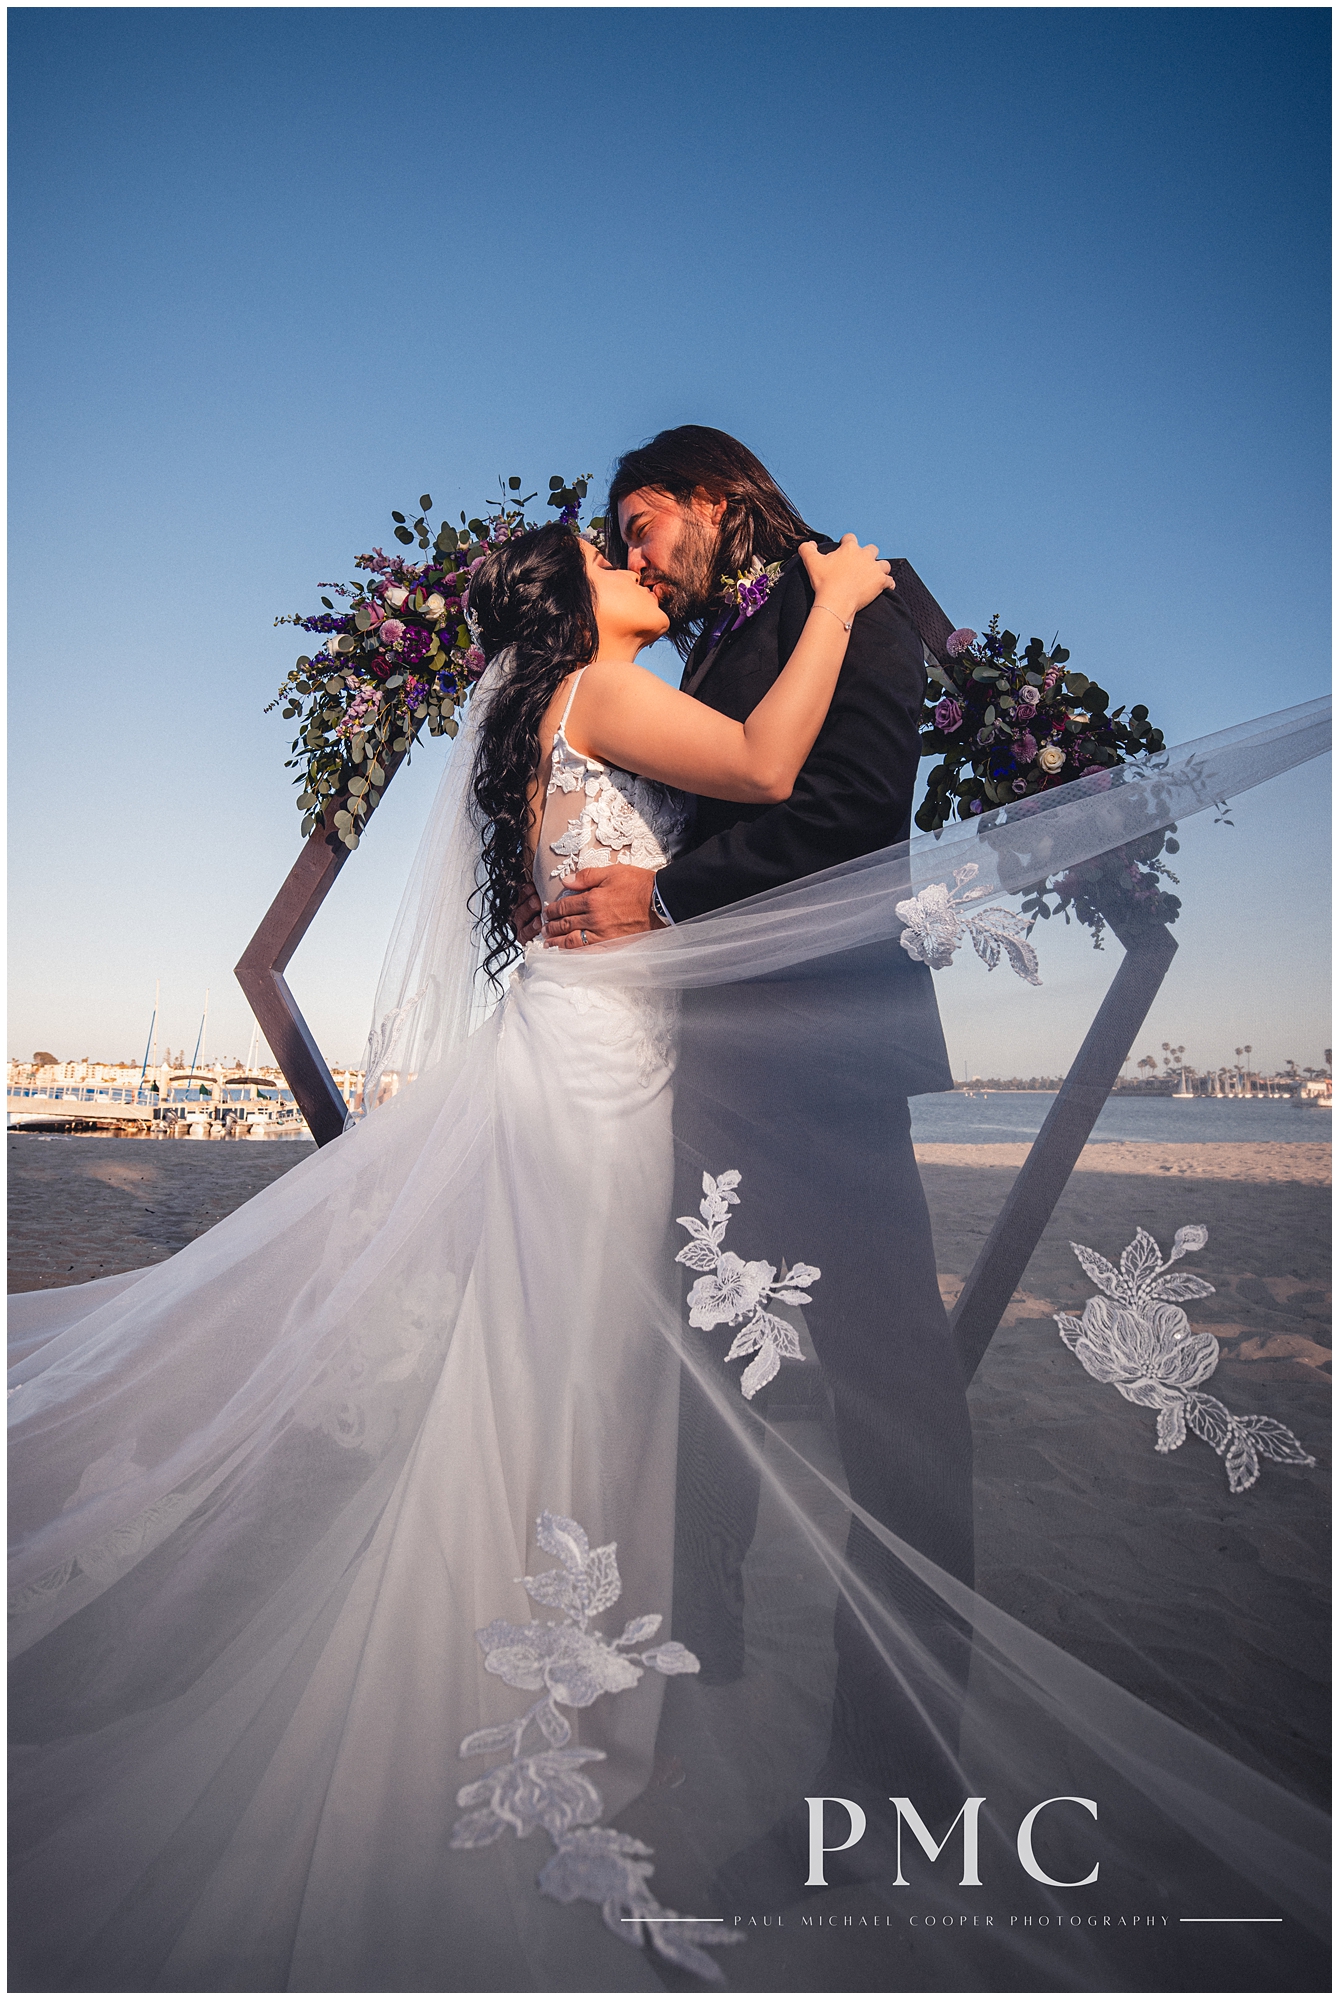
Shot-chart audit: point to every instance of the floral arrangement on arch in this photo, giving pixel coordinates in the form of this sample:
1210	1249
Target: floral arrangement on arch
1007	725
396	654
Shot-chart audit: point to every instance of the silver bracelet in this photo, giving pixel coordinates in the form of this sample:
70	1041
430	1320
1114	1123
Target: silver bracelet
845	623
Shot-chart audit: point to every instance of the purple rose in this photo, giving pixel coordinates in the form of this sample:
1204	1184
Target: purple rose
948	715
977	806
958	642
1028	696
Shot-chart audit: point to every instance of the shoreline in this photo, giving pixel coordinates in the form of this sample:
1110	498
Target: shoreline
1303	1162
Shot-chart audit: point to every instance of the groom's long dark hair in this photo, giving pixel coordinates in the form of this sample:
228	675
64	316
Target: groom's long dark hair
533	593
758	521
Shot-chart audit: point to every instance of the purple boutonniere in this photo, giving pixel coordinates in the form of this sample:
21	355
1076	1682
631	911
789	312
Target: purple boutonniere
751	589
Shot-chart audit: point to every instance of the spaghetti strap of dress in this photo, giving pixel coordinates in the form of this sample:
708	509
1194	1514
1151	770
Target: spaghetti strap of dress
576	683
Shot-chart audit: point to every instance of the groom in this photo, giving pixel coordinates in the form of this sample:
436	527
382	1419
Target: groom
692	507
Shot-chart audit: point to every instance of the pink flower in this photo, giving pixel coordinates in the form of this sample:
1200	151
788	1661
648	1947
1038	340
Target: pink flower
958	642
1025	747
948	715
1028	696
392	631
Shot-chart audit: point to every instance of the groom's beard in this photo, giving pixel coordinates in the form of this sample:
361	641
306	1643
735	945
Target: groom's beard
686	586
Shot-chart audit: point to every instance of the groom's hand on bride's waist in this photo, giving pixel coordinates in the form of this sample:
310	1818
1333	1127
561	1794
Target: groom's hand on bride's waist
527	919
602	903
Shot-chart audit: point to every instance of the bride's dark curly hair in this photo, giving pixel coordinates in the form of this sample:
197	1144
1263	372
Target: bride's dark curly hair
533	593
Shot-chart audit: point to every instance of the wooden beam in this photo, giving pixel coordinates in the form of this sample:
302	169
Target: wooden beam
260	971
927	614
1052	1157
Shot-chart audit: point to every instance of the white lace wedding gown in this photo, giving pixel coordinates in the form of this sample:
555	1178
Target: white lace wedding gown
320	1797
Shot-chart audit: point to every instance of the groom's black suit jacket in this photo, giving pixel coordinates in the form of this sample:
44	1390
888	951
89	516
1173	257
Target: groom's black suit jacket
852	797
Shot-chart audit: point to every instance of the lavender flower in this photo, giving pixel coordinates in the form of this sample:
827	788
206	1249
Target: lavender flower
1025	747
948	715
958	642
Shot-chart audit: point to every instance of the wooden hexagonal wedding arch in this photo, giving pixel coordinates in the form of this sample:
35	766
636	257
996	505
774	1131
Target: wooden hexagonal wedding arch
1148	952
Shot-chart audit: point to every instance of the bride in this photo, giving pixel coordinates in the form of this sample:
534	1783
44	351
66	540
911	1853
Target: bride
265	1497
343	1593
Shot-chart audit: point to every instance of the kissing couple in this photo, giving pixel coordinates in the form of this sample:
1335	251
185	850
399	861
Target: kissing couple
319	1525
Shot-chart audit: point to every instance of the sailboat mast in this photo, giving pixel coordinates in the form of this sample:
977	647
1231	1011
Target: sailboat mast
199	1040
153	1024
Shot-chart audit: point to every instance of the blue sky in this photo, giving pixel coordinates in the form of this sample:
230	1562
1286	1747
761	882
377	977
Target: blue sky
1037	298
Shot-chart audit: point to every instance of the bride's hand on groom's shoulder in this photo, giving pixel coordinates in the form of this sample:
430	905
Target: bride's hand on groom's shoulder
848	578
599	904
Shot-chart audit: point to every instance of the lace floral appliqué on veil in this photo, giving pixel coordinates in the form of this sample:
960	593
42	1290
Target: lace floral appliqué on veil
738	1289
541	1783
1140	1341
934	928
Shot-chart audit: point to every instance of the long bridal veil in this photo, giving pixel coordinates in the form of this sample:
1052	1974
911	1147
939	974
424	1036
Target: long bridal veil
548	1540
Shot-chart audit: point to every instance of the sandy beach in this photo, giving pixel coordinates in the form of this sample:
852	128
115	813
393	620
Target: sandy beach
82	1208
1209	1605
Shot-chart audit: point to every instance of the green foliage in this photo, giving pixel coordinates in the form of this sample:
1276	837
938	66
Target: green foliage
397	656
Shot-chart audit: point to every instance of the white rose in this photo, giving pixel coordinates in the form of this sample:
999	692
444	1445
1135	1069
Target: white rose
1051	758
435	607
395	596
